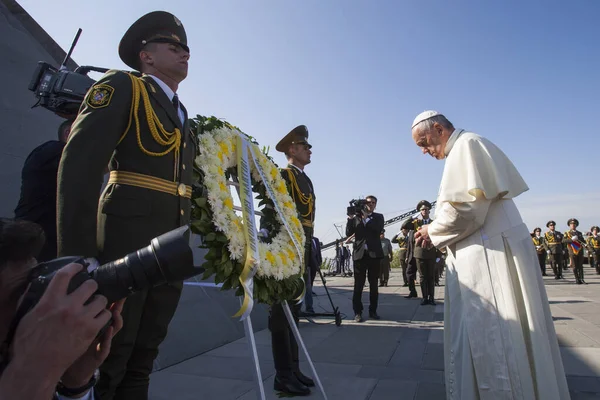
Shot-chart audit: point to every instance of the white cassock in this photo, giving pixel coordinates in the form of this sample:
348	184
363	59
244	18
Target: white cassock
499	339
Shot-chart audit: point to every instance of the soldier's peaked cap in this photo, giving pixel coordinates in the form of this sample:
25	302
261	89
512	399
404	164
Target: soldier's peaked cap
573	220
154	27
550	222
423	204
298	135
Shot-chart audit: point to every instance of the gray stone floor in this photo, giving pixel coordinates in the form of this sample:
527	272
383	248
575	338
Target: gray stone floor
399	357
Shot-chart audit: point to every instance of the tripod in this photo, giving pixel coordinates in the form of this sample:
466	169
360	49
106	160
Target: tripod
336	312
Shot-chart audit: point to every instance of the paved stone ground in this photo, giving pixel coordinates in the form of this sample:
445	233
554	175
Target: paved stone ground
399	357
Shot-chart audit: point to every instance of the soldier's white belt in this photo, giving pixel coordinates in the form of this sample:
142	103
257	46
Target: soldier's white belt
150	182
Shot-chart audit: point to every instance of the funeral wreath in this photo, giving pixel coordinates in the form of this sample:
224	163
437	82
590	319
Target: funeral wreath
267	270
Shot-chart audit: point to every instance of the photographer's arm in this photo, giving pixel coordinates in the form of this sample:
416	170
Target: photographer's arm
50	337
101	122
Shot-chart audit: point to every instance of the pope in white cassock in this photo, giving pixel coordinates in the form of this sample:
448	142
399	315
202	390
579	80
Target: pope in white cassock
499	339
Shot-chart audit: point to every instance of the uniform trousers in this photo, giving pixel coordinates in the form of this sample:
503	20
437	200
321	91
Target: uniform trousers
384	270
403	266
556	263
366	268
596	258
426	267
146	315
542	260
577	262
283	342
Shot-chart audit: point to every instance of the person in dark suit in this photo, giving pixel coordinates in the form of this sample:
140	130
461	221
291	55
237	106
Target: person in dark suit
316	259
367	254
134	123
37	202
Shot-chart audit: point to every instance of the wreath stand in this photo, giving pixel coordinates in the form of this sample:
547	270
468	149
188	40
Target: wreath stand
249	332
250	338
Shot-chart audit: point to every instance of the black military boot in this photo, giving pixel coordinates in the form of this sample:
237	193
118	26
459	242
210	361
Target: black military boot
303	379
290	385
412	291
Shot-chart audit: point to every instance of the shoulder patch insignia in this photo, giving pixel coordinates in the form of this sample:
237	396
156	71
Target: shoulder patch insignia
100	96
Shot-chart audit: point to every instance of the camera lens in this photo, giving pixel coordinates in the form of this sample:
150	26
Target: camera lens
168	258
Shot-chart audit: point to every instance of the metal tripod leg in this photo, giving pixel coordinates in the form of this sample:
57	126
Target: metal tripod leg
336	312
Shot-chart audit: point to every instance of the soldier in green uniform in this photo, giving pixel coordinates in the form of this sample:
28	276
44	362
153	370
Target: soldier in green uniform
132	123
594	247
540	248
289	379
388	257
425	256
575	243
400	240
554	249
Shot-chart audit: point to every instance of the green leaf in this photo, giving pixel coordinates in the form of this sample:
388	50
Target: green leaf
201	201
210	237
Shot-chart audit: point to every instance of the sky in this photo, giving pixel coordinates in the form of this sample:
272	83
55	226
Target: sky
356	73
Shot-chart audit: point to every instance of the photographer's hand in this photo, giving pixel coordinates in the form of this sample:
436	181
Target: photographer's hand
59	329
82	370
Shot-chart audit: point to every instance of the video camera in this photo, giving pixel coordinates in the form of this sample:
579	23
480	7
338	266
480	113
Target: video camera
60	90
167	259
356	206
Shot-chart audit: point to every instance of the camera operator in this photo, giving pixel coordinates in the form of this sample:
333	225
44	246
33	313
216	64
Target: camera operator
55	345
366	226
37	202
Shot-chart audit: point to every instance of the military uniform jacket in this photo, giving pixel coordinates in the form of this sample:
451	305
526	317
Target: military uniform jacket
301	190
568	239
593	243
400	240
422	252
539	244
553	242
110	132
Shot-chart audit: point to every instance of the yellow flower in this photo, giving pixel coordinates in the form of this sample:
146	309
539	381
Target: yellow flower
228	203
222	186
220	155
290	253
220	170
281	188
274	173
224	148
270	258
288	204
284	259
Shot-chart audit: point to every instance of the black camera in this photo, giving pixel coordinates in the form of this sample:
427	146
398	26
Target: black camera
167	259
60	90
356	206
